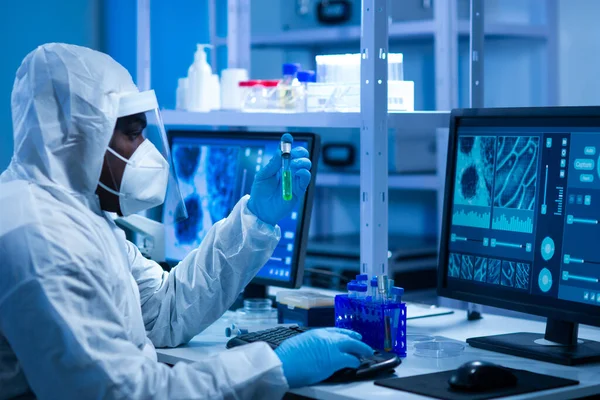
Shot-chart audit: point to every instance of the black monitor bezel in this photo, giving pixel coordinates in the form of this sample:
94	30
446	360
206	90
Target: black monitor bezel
314	148
556	308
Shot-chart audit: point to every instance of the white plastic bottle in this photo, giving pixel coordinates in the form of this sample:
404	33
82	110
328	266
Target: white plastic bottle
181	99
215	92
200	77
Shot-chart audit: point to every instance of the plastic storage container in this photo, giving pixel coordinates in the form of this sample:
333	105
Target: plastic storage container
256	312
305	308
382	326
259	95
289	88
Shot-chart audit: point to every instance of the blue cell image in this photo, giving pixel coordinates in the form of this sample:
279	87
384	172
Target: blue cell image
454	265
516	172
186	159
508	273
466	269
494	268
522	276
480	269
221	174
186	231
475	171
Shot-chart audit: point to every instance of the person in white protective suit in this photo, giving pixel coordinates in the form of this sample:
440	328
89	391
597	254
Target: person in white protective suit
81	309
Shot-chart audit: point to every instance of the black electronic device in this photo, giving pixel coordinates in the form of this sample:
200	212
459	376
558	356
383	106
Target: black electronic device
215	169
334	12
338	154
370	367
521	223
481	376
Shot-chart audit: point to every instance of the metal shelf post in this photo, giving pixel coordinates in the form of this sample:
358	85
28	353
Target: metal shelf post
374	138
143	45
238	34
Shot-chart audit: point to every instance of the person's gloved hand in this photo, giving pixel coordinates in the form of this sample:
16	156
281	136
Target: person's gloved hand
315	355
266	198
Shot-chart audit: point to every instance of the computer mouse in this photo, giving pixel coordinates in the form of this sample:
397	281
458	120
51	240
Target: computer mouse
478	376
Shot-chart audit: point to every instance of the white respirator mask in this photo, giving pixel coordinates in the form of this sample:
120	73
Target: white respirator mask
145	178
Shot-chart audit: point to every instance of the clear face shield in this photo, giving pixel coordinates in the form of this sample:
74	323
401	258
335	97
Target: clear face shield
146	103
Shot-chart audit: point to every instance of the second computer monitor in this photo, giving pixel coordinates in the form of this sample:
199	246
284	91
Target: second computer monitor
216	169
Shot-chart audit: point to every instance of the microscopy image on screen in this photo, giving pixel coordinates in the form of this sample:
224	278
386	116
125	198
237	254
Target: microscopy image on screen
454	265
516	172
507	278
221	175
494	269
466	269
475	171
186	159
207	176
514	192
522	276
480	269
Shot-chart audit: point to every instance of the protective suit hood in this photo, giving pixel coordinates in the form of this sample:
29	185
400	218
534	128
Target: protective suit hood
65	101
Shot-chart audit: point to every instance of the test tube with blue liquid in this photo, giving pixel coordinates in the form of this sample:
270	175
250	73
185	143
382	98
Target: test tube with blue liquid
374	292
286	173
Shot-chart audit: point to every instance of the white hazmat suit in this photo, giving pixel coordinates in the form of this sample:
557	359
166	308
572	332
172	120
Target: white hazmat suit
80	308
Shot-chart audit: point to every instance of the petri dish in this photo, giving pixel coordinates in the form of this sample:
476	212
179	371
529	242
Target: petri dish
411	340
442	349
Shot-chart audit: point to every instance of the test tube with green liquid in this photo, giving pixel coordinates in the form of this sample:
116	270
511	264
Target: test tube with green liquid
286	176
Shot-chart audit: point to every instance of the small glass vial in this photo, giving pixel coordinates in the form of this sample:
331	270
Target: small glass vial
352	290
374	292
361	291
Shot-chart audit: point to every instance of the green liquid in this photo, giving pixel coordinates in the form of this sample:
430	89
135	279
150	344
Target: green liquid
287	185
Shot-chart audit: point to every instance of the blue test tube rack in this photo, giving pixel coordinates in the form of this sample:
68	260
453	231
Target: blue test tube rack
372	320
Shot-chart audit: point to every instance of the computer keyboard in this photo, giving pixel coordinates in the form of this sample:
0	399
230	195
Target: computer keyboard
370	367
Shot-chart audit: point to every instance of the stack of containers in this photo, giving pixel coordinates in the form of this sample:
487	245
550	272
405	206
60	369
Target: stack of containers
338	84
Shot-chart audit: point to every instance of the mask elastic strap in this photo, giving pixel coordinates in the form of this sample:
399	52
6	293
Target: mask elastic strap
109	190
120	157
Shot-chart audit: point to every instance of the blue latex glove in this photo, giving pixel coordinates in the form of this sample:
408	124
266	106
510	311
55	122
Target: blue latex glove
266	199
315	355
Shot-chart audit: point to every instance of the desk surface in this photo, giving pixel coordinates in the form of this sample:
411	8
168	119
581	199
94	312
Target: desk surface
454	326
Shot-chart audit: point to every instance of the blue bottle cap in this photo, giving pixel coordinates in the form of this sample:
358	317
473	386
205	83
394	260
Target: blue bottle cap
361	287
397	291
362	277
352	286
374	281
290	69
305	76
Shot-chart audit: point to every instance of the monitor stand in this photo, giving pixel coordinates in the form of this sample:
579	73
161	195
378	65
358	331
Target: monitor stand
559	345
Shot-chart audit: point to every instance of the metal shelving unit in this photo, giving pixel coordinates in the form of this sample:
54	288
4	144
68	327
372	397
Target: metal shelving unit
425	29
401	121
374	120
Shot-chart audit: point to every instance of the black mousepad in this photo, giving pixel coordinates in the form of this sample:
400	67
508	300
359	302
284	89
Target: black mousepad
436	385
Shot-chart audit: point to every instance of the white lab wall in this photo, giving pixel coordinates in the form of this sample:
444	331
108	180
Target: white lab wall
579	52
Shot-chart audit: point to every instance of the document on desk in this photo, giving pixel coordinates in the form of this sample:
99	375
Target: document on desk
418	310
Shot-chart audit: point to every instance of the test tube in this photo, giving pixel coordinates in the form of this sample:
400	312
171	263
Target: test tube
390	285
361	291
397	293
382	287
374	294
286	176
352	290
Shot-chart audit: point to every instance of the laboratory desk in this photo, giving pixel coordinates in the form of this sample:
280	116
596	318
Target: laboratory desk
454	326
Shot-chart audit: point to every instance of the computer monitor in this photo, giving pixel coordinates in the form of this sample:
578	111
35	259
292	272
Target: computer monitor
215	169
521	224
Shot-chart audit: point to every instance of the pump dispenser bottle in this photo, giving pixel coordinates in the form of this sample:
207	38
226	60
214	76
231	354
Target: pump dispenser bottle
199	84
